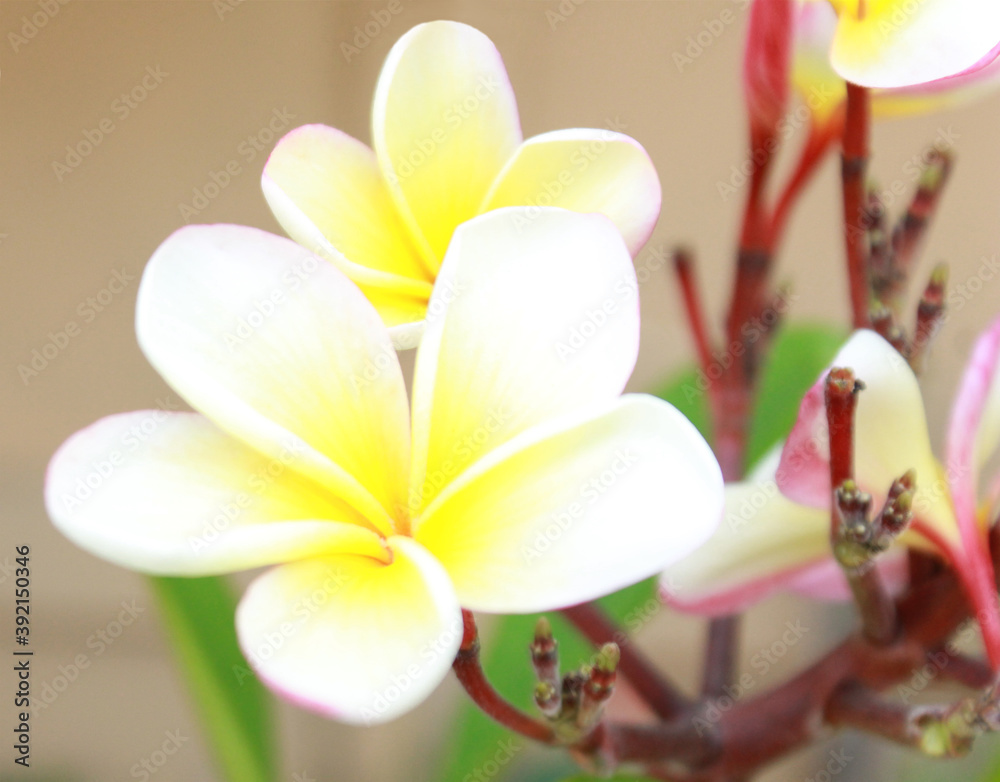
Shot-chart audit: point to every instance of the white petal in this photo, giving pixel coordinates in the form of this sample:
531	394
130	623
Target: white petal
899	43
444	122
170	493
326	190
764	544
350	637
281	350
535	313
585	170
576	508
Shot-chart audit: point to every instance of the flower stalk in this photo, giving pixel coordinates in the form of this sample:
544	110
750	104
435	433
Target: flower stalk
663	697
856	541
469	671
854	166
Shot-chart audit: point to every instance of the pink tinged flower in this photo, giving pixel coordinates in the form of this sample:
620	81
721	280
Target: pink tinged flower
767	62
822	88
516	480
770	540
447	147
822	91
902	43
765	544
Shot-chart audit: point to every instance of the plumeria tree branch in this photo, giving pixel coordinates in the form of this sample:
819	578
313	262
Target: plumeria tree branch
720	655
857	540
930	317
469	671
854	165
912	227
666	701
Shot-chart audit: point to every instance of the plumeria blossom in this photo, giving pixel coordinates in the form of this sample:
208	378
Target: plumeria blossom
777	526
518	480
901	43
923	56
447	147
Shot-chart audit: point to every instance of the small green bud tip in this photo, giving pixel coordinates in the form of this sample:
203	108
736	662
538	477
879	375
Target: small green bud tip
544	692
543	629
934	740
939	277
904	502
930	178
608	658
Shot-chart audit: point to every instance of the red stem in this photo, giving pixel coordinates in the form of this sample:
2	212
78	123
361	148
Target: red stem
684	268
840	394
854	705
720	656
663	698
470	673
853	169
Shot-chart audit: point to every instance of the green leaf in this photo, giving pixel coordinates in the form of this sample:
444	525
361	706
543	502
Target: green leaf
198	614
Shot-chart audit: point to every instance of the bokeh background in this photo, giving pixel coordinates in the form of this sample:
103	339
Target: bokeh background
230	73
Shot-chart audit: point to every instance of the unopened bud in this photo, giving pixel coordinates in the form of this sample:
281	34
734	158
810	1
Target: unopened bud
608	658
547	699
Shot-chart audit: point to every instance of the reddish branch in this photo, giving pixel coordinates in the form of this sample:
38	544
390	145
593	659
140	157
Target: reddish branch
857	706
663	698
912	228
930	317
854	165
853	535
720	655
684	270
841	397
757	731
470	673
840	689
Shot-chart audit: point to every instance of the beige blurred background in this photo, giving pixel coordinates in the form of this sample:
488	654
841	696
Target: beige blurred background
226	70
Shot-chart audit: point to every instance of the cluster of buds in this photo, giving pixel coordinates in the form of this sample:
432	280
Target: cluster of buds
859	538
890	260
573	703
951	731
